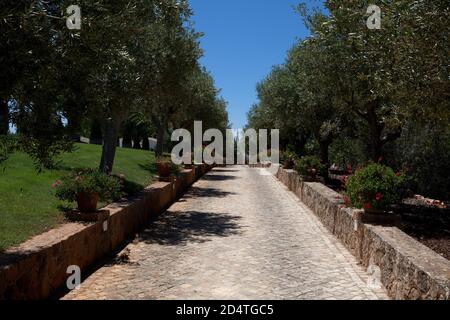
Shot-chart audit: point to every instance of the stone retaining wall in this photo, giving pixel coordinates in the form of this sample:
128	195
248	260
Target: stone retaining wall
409	270
36	268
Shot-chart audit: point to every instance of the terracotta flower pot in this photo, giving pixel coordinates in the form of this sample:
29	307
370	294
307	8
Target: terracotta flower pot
87	202
164	169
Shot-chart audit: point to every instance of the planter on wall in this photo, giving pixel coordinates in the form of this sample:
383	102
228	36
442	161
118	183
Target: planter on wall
164	169
87	202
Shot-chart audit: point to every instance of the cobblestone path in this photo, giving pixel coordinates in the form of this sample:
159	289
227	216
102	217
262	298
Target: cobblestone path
237	234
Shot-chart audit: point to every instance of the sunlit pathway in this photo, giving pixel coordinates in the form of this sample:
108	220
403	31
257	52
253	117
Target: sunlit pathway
238	234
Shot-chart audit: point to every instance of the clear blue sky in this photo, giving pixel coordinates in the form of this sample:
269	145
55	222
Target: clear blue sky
243	40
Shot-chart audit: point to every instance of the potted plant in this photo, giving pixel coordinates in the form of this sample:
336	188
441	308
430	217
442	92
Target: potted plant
309	167
288	159
374	188
87	187
164	166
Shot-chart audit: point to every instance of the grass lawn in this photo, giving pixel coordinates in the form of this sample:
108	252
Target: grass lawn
27	203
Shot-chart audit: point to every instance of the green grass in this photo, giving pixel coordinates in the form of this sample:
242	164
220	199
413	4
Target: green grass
27	201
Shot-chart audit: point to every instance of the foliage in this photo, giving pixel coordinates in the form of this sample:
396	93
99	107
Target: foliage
309	166
348	93
167	161
423	152
130	57
8	145
288	159
45	152
88	181
346	151
374	187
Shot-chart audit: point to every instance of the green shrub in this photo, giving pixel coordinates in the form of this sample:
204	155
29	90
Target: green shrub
374	187
167	160
176	169
309	166
423	152
88	181
288	159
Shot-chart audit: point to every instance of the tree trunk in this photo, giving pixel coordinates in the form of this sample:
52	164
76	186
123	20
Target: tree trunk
137	143
161	133
324	146
146	144
95	136
324	151
4	117
127	142
375	130
300	143
110	136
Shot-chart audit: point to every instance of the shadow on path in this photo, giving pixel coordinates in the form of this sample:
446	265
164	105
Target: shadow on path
181	228
216	177
220	170
196	192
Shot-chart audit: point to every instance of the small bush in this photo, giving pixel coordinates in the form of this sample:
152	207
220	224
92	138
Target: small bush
288	159
309	166
374	187
88	181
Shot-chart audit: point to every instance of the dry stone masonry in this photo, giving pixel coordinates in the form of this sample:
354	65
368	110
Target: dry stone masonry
409	270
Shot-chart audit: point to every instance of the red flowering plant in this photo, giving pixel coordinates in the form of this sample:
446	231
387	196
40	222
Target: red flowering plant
374	187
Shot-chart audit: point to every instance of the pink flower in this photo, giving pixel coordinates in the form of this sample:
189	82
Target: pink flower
367	206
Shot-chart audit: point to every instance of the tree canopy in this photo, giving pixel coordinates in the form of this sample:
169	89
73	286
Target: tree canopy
356	90
133	57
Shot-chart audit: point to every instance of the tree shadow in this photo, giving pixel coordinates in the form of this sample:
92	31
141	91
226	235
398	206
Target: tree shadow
197	192
216	177
11	257
131	188
181	228
219	170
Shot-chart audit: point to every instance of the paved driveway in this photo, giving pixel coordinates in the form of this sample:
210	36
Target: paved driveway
237	234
